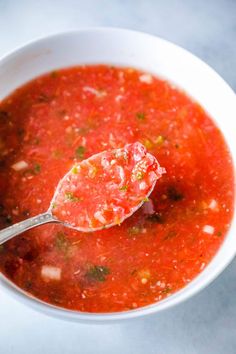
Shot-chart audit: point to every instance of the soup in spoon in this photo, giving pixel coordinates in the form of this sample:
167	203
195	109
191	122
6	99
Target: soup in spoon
106	188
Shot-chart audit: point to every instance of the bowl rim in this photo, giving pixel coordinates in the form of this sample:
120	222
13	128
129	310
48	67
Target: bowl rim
178	297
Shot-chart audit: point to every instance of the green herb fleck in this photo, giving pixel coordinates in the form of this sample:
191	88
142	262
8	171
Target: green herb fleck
69	196
54	74
26	212
92	171
166	290
74	170
97	273
134	230
156	217
147	143
219	234
139	175
79	152
85	130
61	242
37	168
170	235
160	140
146	199
54	205
174	194
134	271
121	155
44	98
140	115
123	188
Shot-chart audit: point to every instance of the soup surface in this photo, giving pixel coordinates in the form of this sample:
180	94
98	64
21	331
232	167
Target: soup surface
68	115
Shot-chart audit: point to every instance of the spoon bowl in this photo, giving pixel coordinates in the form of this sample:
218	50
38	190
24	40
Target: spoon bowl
99	192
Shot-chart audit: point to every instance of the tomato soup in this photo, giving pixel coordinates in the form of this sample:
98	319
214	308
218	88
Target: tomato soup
68	115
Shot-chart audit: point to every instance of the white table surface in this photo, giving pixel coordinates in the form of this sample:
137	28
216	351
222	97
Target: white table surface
205	324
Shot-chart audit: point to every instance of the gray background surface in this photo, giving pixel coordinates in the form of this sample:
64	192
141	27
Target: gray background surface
205	324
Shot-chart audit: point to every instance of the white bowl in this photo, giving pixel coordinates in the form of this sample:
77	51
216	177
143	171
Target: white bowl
149	53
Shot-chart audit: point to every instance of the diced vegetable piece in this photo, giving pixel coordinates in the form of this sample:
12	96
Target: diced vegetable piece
146	78
51	273
97	93
20	165
208	229
98	215
213	205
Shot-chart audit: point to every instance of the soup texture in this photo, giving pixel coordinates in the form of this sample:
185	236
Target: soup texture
61	118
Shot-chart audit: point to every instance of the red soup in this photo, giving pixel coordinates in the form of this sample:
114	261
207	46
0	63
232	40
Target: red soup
69	115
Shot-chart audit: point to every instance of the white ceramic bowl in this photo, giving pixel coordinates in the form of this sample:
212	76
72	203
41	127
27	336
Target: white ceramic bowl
149	53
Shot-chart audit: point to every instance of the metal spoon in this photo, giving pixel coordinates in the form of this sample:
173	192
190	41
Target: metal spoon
129	160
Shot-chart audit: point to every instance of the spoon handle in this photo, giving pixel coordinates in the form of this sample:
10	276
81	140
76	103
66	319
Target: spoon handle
16	229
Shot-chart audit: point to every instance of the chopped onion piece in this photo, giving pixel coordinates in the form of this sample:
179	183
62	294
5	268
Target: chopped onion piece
213	204
20	165
121	174
146	78
118	98
143	186
94	91
51	273
98	215
208	229
104	162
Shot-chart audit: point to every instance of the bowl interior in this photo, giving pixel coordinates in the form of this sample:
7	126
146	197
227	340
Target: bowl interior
152	54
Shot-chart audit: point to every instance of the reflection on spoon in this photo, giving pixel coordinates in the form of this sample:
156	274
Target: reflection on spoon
99	192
